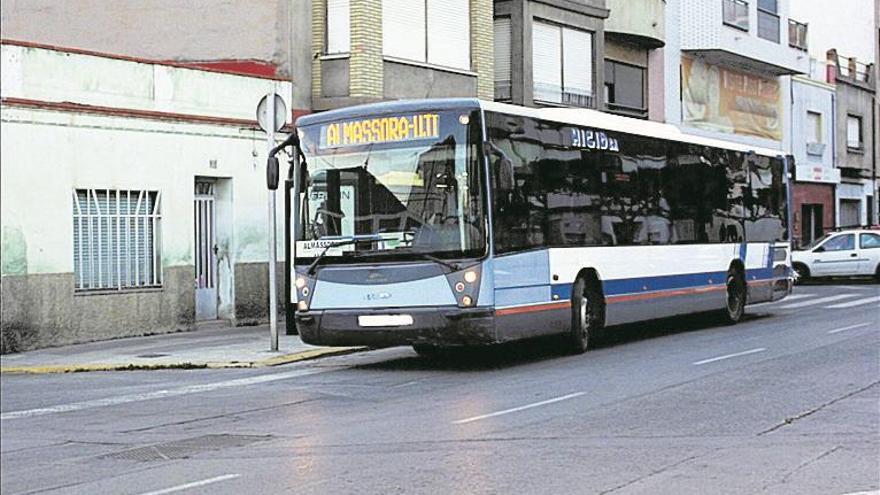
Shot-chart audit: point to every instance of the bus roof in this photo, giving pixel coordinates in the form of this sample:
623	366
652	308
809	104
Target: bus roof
577	116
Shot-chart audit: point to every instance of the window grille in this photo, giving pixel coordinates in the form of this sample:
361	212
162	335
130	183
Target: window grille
116	239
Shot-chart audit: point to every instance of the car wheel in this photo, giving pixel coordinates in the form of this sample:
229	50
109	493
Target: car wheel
803	273
877	274
586	316
736	297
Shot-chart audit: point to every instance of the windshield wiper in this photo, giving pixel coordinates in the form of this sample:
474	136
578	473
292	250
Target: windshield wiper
346	242
425	256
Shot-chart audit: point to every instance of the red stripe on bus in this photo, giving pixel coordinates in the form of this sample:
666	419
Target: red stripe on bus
665	293
534	307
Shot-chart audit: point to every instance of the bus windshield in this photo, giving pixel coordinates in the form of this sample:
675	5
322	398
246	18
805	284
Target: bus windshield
395	186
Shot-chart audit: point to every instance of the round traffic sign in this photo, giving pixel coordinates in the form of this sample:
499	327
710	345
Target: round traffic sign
263	112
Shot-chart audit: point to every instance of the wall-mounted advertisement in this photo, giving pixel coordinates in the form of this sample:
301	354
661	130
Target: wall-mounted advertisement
721	99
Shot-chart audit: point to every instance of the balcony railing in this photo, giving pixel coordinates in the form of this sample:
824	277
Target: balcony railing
797	35
768	25
735	13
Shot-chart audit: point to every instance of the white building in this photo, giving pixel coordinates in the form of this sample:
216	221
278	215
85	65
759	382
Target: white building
842	43
130	189
727	67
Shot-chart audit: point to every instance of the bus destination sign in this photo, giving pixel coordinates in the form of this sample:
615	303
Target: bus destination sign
380	130
593	140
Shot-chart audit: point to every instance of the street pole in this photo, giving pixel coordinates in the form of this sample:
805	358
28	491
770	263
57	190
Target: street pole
273	252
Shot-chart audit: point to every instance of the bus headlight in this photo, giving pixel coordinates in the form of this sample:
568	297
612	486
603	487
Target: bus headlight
302	306
300	282
470	276
466	301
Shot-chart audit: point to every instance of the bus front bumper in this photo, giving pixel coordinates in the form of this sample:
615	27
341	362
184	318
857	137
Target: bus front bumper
444	326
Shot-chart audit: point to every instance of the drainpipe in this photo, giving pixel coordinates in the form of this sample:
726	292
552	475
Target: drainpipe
834	154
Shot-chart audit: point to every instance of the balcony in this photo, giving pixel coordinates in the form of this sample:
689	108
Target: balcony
741	34
637	21
849	70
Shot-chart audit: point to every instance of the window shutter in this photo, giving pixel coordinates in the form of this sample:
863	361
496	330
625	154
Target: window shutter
502	58
577	54
547	62
403	29
449	38
853	132
338	26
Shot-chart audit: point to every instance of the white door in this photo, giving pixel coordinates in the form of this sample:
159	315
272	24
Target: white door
836	256
869	253
204	217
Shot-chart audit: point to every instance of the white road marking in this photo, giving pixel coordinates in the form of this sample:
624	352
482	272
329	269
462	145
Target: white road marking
857	302
159	394
843	329
817	301
785	300
728	356
520	408
194	484
795	297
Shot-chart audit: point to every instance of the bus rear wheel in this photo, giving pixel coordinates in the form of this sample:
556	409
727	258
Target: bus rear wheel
736	297
586	316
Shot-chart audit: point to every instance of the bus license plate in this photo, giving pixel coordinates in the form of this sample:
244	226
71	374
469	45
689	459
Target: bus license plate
385	320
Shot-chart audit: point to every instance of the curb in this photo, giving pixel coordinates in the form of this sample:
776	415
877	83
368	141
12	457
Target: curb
264	363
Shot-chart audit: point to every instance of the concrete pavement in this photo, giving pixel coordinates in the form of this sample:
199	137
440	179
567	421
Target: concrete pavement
212	347
786	402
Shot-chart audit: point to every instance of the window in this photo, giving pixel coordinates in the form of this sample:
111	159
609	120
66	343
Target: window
648	192
735	13
845	242
625	88
869	241
562	65
432	31
338	27
768	20
502	58
116	239
814	127
853	132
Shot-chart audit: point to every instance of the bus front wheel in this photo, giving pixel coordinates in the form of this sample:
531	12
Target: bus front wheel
586	316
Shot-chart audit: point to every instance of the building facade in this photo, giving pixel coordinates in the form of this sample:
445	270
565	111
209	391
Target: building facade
856	139
813	146
134	196
635	34
263	37
727	68
550	52
373	50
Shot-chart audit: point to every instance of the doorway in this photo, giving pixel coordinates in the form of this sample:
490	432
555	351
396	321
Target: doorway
204	221
811	223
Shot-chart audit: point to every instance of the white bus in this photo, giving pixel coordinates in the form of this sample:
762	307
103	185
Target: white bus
454	222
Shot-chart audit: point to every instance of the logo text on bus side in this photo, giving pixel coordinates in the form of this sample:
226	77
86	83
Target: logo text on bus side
380	130
593	140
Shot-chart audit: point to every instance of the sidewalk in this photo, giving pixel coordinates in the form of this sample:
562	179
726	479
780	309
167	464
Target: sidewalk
212	347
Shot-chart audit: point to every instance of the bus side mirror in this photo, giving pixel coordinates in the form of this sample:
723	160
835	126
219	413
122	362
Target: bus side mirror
272	173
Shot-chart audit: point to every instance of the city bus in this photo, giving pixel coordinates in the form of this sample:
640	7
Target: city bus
458	222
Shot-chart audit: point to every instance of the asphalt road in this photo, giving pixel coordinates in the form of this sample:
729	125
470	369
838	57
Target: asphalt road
786	402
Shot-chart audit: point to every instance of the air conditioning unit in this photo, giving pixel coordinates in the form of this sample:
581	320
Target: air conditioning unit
816	149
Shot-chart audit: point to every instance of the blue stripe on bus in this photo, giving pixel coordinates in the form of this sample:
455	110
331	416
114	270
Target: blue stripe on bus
625	286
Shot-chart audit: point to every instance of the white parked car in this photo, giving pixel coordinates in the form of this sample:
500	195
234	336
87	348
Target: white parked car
846	253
